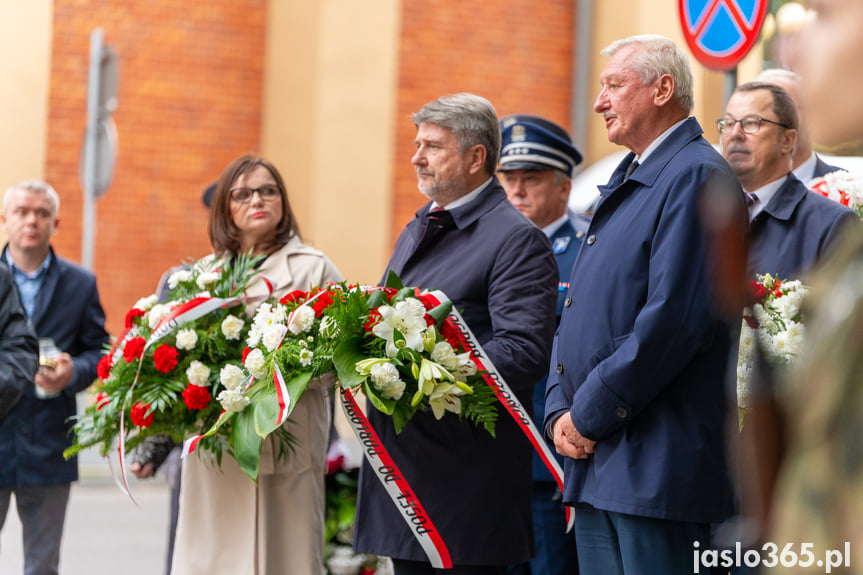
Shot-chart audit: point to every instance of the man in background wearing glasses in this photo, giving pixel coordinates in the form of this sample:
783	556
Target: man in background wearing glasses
790	227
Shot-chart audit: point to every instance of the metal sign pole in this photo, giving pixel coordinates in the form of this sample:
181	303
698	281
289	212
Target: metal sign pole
90	142
730	83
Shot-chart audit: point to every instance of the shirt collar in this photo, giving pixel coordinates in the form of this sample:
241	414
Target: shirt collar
552	228
806	170
467	198
655	143
765	193
46	263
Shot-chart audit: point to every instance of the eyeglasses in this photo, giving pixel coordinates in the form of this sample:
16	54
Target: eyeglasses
244	195
749	124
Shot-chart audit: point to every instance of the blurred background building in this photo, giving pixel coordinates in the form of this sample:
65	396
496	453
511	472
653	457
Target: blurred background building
324	89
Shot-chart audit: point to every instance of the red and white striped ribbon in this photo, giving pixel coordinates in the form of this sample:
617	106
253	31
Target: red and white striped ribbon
396	486
506	396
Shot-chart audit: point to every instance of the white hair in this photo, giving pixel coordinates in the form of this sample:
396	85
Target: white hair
37	186
659	56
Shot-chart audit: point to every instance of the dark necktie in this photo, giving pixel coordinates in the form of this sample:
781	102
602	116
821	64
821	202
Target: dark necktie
629	169
439	221
750	199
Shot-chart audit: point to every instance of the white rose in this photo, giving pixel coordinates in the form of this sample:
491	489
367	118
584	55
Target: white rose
186	339
206	279
232	400
157	312
145	303
273	336
179	276
256	364
198	374
232	377
232	326
303	319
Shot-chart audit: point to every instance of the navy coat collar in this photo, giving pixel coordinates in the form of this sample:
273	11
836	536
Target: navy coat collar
648	172
786	199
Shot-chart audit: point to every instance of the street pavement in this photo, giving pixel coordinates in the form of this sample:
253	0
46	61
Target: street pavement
105	533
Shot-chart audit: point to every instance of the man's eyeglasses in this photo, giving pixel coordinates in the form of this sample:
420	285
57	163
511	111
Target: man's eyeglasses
244	195
749	124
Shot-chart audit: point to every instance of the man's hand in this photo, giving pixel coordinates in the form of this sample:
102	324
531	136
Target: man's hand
142	471
568	441
57	378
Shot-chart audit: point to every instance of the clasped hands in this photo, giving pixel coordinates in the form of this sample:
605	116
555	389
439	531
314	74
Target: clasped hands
568	441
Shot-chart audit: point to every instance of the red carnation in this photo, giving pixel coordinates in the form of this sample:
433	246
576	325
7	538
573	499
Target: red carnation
429	301
759	292
133	349
323	301
373	320
449	332
133	314
139	416
293	296
103	369
196	397
101	400
246	352
165	358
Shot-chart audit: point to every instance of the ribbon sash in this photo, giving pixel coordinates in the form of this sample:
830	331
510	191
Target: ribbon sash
395	484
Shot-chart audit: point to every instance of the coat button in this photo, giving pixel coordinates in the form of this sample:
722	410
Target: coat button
560	368
567	302
591	239
621	412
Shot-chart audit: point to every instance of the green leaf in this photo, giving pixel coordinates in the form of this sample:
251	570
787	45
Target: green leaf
265	406
247	443
380	403
345	358
393	280
440	312
376	299
266	403
403	294
400	418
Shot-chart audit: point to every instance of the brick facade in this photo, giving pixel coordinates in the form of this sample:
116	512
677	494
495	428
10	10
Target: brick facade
189	102
517	53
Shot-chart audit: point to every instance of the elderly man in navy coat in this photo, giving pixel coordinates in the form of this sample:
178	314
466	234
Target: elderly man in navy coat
635	396
537	159
791	228
498	268
62	303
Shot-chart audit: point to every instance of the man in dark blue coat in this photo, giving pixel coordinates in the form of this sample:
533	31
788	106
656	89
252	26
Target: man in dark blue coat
536	163
791	228
63	304
498	268
635	396
18	347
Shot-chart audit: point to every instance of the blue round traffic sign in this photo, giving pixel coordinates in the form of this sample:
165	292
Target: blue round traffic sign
721	32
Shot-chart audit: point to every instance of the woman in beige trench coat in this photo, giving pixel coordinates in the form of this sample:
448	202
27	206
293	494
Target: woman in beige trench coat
228	524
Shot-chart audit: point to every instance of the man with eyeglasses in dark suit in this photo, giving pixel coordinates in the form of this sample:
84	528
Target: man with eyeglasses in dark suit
790	227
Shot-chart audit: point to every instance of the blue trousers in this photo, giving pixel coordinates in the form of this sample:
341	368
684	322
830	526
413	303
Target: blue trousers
618	544
42	511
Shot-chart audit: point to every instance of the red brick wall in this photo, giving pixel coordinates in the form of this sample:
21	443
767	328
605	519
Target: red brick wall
189	102
516	53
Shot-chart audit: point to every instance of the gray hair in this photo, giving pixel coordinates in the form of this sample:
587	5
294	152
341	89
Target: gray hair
782	103
37	186
470	118
659	56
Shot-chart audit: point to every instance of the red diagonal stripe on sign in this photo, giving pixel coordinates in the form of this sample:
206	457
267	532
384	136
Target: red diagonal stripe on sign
737	14
707	16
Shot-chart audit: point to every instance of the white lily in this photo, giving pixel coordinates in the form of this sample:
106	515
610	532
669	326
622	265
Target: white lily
429	374
445	397
405	317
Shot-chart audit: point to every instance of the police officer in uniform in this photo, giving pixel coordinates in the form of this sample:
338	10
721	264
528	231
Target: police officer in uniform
536	165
